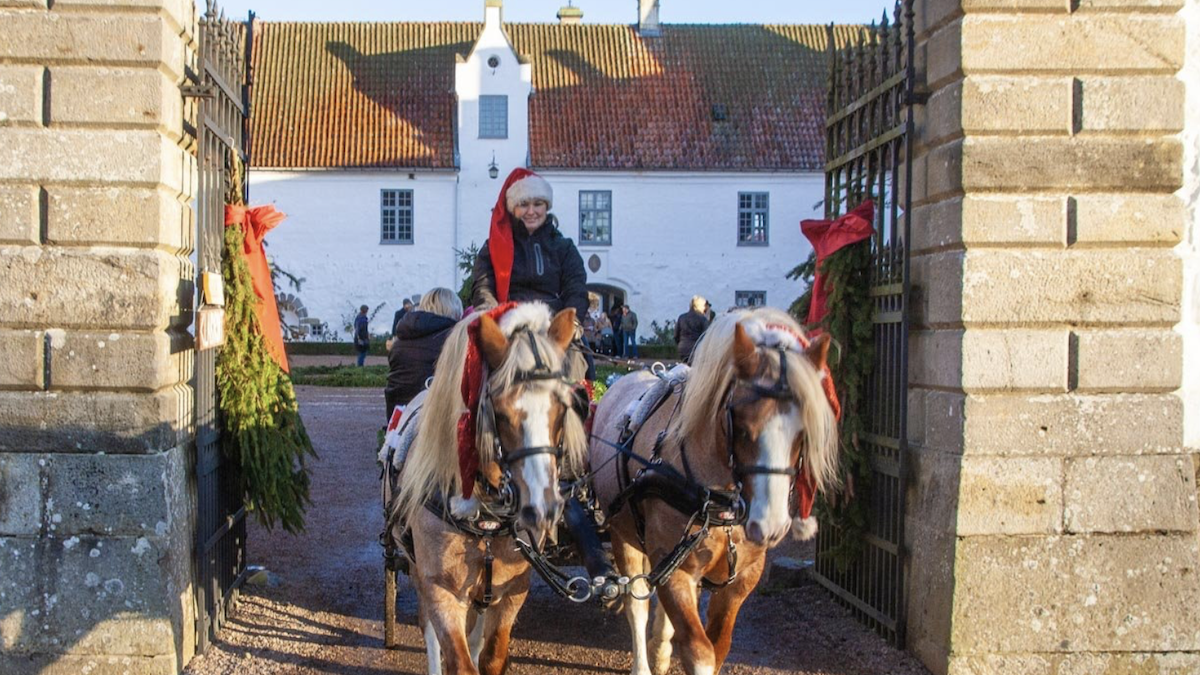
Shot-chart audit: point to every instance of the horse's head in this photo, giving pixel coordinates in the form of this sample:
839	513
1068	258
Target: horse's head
776	409
535	430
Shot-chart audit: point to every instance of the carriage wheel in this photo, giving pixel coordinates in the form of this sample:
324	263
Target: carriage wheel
390	639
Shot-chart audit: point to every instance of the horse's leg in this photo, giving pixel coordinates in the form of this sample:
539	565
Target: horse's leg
678	598
433	649
447	621
660	641
498	626
475	624
632	562
723	608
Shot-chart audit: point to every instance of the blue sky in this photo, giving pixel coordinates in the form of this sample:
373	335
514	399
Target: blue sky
594	11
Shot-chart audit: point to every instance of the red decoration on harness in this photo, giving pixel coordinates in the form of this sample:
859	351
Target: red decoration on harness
256	222
472	389
828	237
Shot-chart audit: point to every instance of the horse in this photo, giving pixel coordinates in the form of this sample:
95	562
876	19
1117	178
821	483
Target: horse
527	431
708	492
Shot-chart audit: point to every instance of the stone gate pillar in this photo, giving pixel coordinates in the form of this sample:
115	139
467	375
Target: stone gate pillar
1052	514
95	302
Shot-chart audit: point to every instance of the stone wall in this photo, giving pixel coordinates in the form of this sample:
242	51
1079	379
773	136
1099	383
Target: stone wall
95	410
1053	521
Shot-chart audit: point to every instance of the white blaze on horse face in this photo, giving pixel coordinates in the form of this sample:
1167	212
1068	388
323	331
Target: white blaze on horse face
535	432
769	508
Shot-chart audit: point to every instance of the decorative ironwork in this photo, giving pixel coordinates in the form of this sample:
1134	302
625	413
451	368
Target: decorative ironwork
868	135
218	89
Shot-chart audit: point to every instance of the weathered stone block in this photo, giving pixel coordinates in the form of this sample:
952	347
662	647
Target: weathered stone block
1129	360
141	217
1131	104
1124	287
1143	663
940	226
1115	163
1010	495
119	38
933	493
1030	105
1023	219
941	118
1008	664
916	415
1079	593
111	495
181	12
19	595
1152	219
21	94
133	361
938	174
97	288
116	96
933	14
143	157
72	664
1069	425
943	55
1013	359
995	43
1147	493
112	422
944	420
22	365
19	214
936	359
937	282
20	496
1126	5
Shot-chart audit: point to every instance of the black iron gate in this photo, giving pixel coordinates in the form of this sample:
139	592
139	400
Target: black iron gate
868	155
218	87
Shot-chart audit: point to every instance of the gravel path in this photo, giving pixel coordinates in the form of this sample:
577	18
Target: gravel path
326	616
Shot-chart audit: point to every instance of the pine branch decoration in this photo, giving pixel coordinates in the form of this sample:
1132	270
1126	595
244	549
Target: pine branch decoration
262	429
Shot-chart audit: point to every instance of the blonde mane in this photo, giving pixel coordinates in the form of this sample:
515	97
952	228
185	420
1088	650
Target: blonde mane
712	374
432	465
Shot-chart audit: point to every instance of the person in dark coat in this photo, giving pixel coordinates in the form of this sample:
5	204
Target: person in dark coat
419	339
362	335
525	257
405	308
689	327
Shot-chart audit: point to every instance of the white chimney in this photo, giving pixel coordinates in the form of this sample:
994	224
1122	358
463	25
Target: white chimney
493	13
569	15
648	18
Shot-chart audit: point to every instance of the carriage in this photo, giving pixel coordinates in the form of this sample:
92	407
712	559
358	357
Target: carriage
690	490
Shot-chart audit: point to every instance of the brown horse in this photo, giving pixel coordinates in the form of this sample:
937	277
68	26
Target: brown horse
465	556
751	414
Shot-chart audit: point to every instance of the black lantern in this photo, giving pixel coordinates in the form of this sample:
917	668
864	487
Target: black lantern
493	170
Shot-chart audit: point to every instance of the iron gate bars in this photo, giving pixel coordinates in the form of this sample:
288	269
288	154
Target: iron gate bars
868	134
220	545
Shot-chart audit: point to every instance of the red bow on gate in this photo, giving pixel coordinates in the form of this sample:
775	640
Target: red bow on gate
828	237
256	222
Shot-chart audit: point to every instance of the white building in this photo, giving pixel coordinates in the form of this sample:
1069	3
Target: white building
682	157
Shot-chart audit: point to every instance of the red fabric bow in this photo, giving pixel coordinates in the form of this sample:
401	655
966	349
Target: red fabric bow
256	222
472	389
828	237
500	236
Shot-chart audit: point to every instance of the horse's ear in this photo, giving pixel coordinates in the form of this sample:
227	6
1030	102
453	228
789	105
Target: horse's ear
562	328
745	353
492	342
817	351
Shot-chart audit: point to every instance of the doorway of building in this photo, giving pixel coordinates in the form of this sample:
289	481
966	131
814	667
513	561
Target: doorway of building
608	296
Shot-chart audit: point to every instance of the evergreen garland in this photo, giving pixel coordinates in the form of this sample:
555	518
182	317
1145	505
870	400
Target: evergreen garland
262	430
847	273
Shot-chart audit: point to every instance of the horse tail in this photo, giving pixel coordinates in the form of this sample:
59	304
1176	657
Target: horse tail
432	464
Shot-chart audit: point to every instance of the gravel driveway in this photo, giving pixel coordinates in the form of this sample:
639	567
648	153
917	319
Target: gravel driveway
325	614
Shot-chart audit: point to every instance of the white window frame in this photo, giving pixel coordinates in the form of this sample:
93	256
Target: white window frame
584	215
753	205
746	298
396	217
493	116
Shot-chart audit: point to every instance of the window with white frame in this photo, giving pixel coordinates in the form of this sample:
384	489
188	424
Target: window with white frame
493	117
595	217
750	298
753	228
395	216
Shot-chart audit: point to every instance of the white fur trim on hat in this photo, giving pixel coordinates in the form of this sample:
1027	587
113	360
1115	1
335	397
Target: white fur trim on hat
804	529
532	315
529	187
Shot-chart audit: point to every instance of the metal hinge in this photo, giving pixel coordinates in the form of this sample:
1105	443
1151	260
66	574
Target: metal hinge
918	96
198	91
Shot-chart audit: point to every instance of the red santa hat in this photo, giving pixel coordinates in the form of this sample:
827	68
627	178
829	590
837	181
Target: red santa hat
521	184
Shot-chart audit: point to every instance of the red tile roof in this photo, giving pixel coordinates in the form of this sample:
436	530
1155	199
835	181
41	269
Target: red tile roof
330	95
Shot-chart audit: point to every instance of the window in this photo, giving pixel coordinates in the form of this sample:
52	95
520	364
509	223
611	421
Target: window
493	117
749	298
396	217
752	219
595	217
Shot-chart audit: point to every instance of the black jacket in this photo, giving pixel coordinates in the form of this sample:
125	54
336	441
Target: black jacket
546	267
688	328
419	339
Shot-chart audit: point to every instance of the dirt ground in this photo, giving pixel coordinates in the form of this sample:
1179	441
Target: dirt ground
324	612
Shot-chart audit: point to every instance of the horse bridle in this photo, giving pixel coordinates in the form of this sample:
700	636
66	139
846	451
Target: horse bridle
779	391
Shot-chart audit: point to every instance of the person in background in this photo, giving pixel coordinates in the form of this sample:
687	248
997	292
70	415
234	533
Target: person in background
614	317
604	333
629	324
405	308
419	339
690	326
362	334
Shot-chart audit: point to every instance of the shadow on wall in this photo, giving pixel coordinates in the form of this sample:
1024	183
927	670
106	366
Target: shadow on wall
96	547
